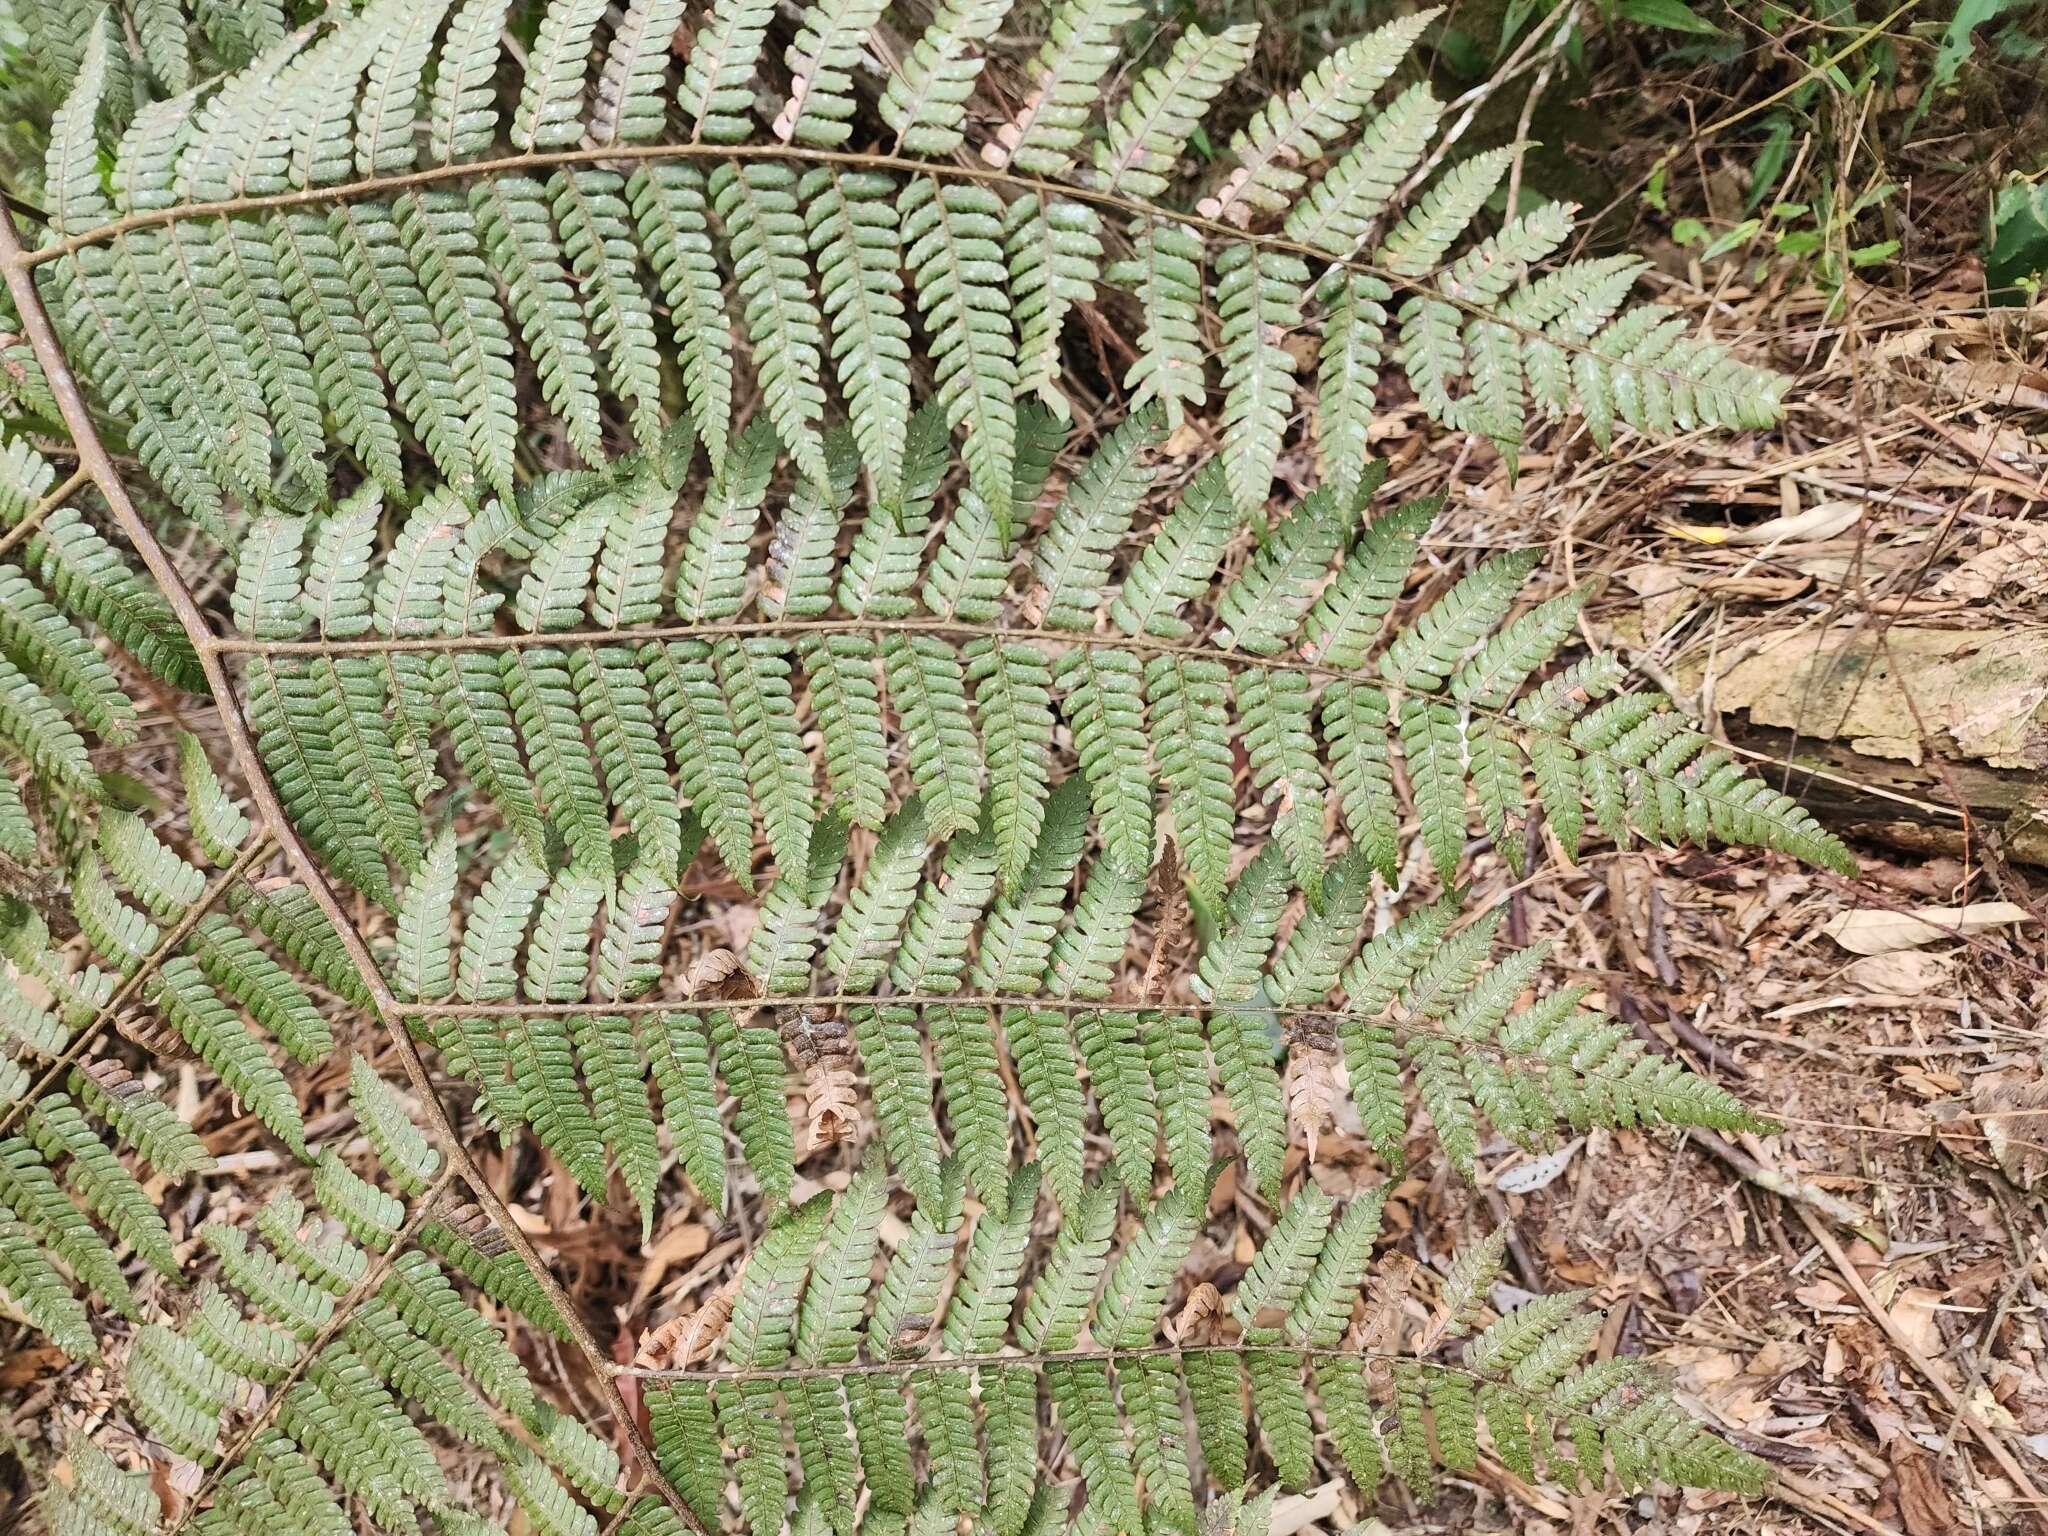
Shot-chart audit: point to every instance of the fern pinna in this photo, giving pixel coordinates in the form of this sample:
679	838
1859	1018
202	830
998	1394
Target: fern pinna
1125	1350
359	240
995	903
325	1348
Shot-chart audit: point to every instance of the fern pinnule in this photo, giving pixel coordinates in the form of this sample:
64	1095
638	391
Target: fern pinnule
1088	1326
266	316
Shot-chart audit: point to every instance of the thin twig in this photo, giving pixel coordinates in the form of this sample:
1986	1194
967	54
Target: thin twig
1790	1187
1472	100
1551	54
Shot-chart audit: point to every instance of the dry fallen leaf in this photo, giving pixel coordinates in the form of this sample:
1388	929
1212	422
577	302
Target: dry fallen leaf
1916	1314
1808	527
1924	1504
1876	931
1538	1172
1204	1302
831	1103
688	1336
1904	973
1311	1088
2015	1120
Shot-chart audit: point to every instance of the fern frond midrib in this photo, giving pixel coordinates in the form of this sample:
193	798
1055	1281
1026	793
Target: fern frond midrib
32	520
368	188
371	1280
170	944
943	628
1401	1026
915	1365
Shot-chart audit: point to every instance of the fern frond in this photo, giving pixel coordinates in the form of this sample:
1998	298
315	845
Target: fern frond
717	88
1104	708
1165	107
1119	1397
672	210
1296	128
952	239
1079	49
928	686
1013	702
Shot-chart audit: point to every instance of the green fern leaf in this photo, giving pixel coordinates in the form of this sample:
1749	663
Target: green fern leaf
929	689
758	205
926	100
1240	1038
952	246
1166	106
751	1063
1074	554
1165	274
512	218
1013	703
1259	298
1293	129
822	58
1103	702
1277	711
211	1028
1263	607
718	79
1080	48
854	238
672	212
1055	255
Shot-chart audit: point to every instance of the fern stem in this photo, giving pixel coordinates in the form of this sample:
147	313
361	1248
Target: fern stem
95	461
1404	1025
944	628
915	1364
258	849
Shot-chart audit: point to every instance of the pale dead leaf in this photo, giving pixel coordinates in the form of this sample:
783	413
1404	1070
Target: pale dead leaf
1904	973
1915	1313
1311	1087
1204	1302
1875	931
1809	527
679	1244
2015	1120
1665	592
830	1102
1538	1172
688	1336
